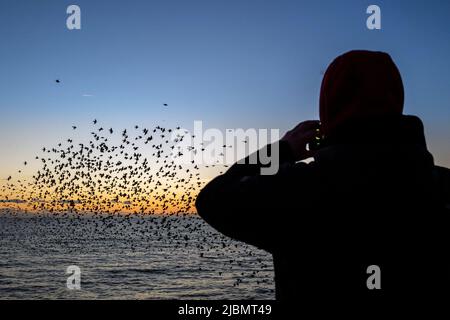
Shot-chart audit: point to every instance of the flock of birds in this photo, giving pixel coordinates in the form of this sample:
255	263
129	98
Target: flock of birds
136	174
120	183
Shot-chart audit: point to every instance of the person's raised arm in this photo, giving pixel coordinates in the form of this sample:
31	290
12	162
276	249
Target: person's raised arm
242	202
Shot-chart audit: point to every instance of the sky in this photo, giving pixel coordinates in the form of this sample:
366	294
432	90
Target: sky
230	64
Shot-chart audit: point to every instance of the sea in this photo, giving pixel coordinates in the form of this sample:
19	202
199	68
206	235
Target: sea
127	257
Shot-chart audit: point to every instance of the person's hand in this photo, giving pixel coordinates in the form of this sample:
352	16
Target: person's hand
300	136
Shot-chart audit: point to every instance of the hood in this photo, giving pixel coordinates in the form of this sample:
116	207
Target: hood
359	85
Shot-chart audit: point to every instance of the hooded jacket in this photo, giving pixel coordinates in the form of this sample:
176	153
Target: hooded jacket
371	197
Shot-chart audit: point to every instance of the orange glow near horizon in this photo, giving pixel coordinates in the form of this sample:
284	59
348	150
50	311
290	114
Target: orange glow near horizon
149	199
116	172
161	197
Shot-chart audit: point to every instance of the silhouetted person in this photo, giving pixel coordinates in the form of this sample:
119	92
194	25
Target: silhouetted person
372	195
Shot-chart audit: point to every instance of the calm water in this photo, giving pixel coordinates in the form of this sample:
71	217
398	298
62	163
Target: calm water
128	258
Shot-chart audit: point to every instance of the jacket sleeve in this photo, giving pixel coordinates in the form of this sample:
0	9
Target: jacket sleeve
242	203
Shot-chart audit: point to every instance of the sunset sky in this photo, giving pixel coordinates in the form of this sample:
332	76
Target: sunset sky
230	64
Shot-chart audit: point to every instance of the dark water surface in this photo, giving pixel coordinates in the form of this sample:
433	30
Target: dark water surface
128	258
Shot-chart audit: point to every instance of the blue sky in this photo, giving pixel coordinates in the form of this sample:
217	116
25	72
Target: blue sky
231	64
